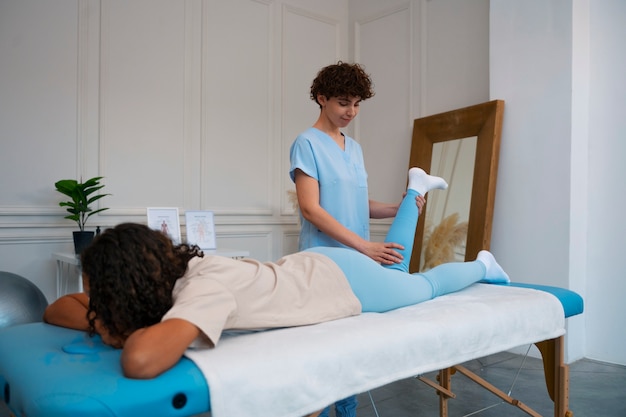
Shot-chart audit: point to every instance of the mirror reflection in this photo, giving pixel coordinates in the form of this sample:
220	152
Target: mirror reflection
445	231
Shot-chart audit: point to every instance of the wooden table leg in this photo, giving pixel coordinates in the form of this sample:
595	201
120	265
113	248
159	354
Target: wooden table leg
557	374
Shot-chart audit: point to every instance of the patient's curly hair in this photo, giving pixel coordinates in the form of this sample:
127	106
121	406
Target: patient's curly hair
131	271
342	80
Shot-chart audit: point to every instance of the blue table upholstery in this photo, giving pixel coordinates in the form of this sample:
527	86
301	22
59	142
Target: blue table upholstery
572	302
49	371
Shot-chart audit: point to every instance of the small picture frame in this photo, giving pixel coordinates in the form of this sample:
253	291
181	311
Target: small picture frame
166	220
200	226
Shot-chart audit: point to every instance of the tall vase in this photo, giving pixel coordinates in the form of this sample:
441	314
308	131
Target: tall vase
82	239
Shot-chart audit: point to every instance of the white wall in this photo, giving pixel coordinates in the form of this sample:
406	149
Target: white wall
531	66
605	286
531	69
559	66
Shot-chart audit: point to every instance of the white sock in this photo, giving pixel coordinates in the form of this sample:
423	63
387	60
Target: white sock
495	273
421	182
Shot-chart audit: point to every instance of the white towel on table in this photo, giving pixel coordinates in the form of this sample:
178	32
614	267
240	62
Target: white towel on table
295	371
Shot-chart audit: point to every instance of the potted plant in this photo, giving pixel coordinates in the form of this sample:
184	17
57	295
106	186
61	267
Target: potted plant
79	207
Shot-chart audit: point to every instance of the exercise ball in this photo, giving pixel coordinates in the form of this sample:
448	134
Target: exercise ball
20	300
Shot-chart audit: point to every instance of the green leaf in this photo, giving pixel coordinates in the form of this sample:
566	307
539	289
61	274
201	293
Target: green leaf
79	206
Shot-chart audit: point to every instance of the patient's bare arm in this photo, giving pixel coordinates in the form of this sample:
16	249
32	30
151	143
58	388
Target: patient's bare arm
152	350
69	311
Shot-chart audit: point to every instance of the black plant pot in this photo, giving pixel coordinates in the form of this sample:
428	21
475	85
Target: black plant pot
82	240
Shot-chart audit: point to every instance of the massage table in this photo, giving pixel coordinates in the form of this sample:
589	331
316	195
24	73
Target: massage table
51	371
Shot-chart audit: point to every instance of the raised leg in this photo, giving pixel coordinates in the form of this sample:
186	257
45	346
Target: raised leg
402	229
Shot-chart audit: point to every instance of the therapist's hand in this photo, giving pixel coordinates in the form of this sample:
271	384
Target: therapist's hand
382	252
421	202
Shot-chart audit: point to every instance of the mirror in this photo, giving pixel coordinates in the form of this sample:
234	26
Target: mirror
483	124
445	224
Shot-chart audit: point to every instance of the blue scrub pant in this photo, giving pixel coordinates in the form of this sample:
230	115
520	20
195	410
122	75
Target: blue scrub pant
343	408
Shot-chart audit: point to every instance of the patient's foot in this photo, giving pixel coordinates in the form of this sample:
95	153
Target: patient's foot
421	182
495	273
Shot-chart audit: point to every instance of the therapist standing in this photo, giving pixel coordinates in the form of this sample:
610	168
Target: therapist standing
328	170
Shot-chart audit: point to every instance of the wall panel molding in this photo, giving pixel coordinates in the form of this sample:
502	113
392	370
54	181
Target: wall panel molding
192	114
237	111
144	102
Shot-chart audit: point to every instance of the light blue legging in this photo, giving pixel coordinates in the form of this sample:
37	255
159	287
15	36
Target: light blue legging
384	288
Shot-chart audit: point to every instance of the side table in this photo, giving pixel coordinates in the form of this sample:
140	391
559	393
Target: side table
66	264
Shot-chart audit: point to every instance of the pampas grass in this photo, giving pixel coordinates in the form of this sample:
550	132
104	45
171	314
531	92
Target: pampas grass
293	199
442	241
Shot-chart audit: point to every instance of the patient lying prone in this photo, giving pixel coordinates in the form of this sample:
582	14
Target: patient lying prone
155	299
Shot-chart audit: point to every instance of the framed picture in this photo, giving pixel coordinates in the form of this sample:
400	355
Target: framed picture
166	220
201	229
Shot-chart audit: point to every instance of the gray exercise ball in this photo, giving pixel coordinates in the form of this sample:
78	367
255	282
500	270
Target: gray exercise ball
20	300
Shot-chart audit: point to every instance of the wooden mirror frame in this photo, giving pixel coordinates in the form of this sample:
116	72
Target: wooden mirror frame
483	121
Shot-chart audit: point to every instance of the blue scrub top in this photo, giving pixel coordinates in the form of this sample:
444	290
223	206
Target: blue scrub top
342	180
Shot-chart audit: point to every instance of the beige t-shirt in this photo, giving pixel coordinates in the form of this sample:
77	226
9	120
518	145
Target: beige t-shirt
218	293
